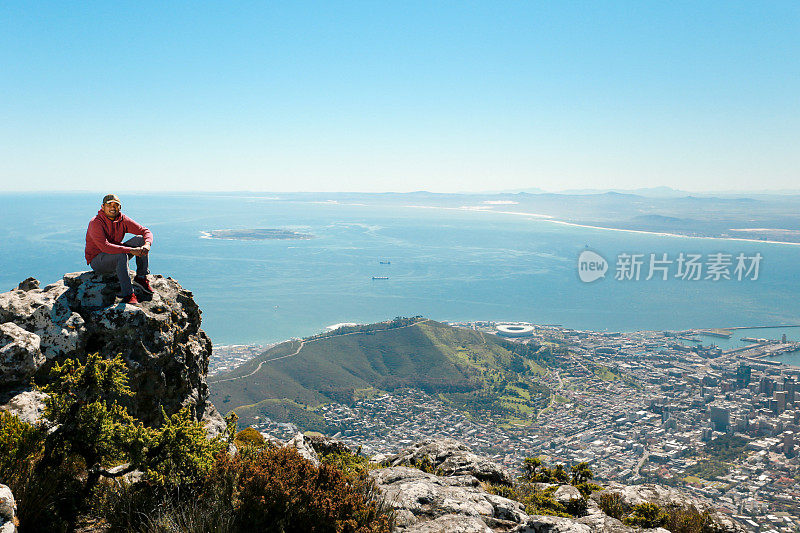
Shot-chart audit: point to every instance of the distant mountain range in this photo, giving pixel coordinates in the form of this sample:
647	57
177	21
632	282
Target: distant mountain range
654	192
482	374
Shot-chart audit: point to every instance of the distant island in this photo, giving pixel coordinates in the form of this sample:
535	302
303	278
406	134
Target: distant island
254	234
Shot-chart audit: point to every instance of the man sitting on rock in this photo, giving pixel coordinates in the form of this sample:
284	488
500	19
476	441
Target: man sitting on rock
105	251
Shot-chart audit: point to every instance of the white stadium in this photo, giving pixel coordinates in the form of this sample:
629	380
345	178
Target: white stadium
517	329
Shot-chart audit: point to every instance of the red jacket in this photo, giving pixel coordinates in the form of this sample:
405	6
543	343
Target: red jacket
104	235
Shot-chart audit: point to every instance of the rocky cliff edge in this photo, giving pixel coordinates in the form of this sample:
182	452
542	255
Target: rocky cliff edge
160	339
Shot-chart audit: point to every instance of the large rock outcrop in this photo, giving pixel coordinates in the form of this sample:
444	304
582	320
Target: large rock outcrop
160	340
459	502
632	495
450	457
419	498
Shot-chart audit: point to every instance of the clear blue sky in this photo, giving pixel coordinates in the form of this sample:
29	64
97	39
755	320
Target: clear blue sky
379	96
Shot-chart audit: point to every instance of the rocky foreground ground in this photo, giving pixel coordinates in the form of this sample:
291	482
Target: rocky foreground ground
455	499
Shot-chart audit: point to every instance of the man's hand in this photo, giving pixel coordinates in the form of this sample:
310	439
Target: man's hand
146	248
140	251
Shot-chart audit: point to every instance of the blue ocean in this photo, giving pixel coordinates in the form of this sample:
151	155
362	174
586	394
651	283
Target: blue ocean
443	263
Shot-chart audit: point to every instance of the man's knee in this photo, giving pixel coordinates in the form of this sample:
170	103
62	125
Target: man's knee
135	242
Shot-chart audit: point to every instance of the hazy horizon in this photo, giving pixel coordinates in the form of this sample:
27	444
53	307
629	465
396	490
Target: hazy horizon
531	190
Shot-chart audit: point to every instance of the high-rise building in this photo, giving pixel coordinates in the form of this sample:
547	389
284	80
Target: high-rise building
780	398
743	374
788	443
720	417
790	386
766	386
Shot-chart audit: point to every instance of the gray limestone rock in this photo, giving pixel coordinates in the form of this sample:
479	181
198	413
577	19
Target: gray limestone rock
380	458
45	312
600	522
425	502
304	447
420	499
20	354
450	524
632	495
451	458
566	493
27	405
660	495
324	445
8	510
160	339
553	524
28	284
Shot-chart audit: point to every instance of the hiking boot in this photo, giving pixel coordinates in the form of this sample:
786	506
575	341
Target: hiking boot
130	299
142	283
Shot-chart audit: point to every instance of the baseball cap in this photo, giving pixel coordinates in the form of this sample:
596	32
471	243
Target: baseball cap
111	198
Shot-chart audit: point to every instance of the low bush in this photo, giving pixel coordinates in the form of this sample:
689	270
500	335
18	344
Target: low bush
276	490
540	501
350	463
503	490
427	466
648	515
611	504
577	507
688	519
249	437
587	488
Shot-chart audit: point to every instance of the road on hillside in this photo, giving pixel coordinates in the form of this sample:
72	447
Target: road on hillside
304	342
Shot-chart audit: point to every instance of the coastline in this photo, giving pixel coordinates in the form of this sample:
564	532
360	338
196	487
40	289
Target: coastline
553	220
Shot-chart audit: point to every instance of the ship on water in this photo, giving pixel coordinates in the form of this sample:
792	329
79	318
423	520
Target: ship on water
380	277
385	262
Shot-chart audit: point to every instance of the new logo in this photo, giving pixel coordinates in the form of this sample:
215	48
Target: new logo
591	266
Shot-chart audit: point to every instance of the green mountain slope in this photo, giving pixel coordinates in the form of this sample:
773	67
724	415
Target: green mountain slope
482	374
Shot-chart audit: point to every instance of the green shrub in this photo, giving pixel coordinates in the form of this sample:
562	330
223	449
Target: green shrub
577	507
538	501
20	443
350	463
534	470
249	437
75	474
647	515
542	502
503	490
611	504
179	453
57	475
688	519
581	473
586	489
531	468
426	466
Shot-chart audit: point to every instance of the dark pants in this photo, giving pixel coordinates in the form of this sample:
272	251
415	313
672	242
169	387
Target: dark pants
118	263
